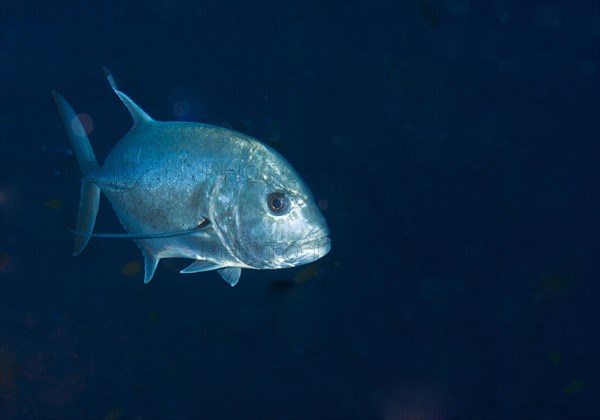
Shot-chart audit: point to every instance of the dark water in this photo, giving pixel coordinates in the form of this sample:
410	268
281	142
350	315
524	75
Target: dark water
452	144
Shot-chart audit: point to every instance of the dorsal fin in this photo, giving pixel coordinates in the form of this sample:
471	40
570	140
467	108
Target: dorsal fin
139	116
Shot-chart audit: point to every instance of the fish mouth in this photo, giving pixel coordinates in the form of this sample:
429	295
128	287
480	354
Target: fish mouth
307	251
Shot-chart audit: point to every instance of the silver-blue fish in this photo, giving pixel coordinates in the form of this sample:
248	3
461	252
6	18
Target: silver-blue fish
197	191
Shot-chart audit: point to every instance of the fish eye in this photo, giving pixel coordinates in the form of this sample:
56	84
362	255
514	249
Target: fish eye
278	203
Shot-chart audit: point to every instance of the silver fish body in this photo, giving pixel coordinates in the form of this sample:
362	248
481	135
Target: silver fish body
235	201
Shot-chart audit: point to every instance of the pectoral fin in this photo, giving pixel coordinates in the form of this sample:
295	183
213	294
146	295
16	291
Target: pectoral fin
231	275
200	266
81	232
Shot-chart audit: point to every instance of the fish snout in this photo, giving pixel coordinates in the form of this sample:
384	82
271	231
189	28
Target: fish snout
306	251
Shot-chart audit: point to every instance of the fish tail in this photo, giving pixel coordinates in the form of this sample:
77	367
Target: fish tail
90	192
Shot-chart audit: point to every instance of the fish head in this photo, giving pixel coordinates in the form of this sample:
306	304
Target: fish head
270	219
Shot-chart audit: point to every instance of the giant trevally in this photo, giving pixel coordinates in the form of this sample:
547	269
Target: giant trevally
198	191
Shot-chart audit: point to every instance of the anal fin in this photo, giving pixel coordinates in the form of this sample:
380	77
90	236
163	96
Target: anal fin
150	263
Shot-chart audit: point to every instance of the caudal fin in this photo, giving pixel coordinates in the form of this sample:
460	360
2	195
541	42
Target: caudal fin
86	217
90	193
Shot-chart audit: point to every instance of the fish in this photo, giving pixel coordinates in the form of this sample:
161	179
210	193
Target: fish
575	387
306	274
53	204
131	268
428	13
286	284
197	191
555	358
4	261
